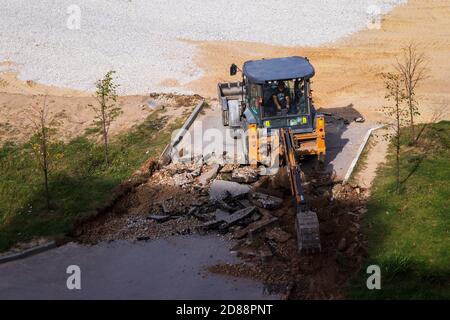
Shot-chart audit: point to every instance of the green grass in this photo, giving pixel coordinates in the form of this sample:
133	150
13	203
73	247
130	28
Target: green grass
79	183
409	232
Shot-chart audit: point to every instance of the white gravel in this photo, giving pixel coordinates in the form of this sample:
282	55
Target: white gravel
140	38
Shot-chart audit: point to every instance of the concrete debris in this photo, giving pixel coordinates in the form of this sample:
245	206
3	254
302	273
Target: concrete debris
265	201
246	252
255	227
244	175
135	223
221	189
236	217
183	179
278	235
226	206
177	168
206	177
210	225
263	252
201	216
221	215
159	218
228	168
245	203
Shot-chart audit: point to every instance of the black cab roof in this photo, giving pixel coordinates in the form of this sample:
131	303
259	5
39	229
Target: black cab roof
262	71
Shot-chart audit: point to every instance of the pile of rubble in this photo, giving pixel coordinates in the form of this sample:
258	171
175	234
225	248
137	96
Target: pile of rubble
186	198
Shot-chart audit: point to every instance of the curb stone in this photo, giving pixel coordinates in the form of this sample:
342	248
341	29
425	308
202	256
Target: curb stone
28	253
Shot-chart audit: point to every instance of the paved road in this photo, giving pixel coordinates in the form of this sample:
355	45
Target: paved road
162	269
342	140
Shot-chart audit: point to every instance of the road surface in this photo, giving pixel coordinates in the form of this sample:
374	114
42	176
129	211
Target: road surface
174	268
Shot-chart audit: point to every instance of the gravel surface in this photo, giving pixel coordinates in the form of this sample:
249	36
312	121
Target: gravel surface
141	38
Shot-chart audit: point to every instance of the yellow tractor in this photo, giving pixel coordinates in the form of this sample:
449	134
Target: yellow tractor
275	96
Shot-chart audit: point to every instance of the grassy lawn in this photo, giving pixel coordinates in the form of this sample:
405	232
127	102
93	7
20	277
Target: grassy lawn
409	232
79	184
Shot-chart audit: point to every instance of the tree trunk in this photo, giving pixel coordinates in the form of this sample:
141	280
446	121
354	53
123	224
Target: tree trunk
398	163
105	139
47	191
398	145
411	115
105	132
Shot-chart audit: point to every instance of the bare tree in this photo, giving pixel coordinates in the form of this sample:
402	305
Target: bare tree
395	94
106	110
44	128
412	68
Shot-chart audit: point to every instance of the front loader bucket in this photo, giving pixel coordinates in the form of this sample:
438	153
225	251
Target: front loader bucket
308	233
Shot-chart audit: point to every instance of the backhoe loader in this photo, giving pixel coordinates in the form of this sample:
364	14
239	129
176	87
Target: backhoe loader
275	96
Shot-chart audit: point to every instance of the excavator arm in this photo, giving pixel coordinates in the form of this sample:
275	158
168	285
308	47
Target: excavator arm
306	221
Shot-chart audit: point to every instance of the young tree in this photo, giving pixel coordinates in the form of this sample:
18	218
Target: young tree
106	110
45	128
395	94
412	68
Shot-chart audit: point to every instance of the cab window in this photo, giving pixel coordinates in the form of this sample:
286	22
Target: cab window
255	97
297	92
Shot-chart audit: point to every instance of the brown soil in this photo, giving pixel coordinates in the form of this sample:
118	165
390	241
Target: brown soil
16	99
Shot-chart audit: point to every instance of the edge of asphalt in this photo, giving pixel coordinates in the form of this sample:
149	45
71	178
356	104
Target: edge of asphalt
28	253
360	151
165	155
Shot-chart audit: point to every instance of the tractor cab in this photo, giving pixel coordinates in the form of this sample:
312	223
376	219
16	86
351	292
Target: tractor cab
275	94
278	93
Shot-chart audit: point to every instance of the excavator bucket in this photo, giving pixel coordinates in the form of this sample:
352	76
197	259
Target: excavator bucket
308	233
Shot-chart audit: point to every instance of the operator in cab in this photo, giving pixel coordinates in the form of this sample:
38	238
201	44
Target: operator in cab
281	98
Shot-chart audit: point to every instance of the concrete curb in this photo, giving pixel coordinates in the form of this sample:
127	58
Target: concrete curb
358	155
29	252
165	155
